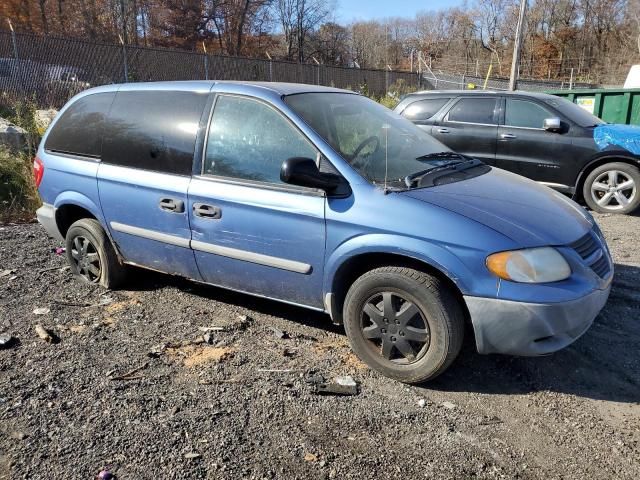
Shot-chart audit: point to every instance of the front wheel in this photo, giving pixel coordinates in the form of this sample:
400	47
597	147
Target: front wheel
404	323
613	188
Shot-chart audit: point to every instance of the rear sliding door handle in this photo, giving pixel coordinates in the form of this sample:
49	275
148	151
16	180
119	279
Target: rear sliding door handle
508	136
443	130
206	211
172	205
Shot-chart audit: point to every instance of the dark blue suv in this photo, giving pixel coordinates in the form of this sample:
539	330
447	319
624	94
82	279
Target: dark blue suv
322	198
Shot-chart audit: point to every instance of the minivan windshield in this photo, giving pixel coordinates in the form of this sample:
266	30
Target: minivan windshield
372	139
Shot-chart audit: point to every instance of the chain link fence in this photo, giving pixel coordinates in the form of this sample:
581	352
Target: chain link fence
51	70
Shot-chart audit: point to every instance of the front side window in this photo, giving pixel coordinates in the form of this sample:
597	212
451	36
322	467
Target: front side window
424	109
474	110
79	130
153	130
250	140
523	113
375	141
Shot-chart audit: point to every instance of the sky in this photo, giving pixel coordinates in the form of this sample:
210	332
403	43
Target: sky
349	10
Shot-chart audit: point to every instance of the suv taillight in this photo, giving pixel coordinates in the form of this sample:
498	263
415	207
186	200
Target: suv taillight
38	170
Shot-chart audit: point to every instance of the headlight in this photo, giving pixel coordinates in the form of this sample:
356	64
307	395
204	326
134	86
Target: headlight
534	265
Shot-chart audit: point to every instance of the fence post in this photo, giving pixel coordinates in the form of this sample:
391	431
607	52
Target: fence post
463	83
206	66
124	60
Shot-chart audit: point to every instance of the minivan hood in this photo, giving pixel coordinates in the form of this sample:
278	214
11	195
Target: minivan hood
523	210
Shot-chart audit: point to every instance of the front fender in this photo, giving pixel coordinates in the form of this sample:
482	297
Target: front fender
436	255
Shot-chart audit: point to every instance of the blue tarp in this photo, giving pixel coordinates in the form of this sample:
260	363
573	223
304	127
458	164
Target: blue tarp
625	136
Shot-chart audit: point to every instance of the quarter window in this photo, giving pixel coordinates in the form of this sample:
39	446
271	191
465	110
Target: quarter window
424	109
474	110
153	130
250	140
79	130
522	113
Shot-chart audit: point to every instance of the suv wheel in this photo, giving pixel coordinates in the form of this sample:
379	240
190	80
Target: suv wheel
404	323
613	188
91	256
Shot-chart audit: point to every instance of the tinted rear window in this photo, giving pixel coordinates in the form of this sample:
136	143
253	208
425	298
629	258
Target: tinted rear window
78	131
474	110
153	130
423	109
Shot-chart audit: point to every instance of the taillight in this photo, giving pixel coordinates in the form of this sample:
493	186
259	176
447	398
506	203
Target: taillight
38	170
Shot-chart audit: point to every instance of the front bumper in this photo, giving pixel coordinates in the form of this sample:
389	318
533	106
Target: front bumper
47	217
530	329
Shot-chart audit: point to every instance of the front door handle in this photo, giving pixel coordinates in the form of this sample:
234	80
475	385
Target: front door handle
172	205
206	211
443	130
508	136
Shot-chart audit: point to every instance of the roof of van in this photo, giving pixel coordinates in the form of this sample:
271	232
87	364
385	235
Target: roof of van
280	88
480	92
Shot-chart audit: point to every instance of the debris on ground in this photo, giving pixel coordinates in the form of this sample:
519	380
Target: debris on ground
6	273
310	457
422	402
105	475
41	311
192	455
46	335
131	374
449	405
58	250
342	385
208	338
279	333
7	341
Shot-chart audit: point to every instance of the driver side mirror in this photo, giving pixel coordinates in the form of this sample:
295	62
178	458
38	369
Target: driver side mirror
552	124
304	172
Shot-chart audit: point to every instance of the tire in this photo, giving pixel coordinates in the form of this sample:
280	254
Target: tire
91	256
599	195
415	300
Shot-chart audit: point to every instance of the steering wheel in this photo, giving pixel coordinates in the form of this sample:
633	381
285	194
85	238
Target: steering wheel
363	144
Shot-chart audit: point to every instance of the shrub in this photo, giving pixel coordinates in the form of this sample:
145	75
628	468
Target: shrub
18	195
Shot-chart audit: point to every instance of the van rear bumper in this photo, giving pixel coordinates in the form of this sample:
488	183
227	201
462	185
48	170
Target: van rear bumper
47	217
531	329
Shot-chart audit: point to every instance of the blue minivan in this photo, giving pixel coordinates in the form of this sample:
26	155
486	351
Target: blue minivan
322	198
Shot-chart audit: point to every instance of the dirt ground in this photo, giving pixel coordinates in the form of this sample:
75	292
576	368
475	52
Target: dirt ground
128	387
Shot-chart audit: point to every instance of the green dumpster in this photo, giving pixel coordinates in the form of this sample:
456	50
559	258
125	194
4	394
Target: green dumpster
611	105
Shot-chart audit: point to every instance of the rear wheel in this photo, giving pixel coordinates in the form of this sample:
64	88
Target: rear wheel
613	188
404	323
91	256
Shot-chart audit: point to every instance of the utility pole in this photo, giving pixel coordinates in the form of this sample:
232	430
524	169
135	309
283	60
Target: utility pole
515	63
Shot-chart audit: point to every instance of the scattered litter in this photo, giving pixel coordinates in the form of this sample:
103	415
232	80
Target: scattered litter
105	475
208	338
46	335
491	421
192	455
13	277
41	311
58	250
6	273
343	385
279	333
310	457
213	328
105	300
50	269
19	435
7	341
449	405
422	402
130	375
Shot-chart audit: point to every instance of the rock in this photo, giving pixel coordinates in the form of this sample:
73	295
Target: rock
279	333
5	273
449	405
41	311
422	402
209	338
192	455
44	119
310	457
12	136
343	385
7	341
44	334
19	435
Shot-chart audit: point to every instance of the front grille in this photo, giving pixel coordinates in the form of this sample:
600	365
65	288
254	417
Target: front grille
592	252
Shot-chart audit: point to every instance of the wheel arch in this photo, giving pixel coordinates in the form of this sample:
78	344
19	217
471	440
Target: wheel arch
619	157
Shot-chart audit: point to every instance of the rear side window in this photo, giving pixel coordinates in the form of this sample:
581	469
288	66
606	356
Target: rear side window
474	110
153	130
78	131
424	109
523	113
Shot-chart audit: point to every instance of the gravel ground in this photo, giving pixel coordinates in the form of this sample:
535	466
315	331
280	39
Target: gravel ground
241	408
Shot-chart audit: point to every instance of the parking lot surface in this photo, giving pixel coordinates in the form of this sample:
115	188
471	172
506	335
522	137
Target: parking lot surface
130	385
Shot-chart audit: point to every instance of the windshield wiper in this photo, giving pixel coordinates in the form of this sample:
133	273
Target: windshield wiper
416	178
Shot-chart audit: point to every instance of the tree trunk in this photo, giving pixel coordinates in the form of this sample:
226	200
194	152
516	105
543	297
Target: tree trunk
43	16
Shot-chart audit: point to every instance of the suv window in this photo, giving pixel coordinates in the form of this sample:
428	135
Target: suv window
424	109
523	113
474	110
153	130
78	130
249	140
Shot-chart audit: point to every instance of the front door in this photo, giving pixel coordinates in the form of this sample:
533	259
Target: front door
470	127
250	231
525	148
